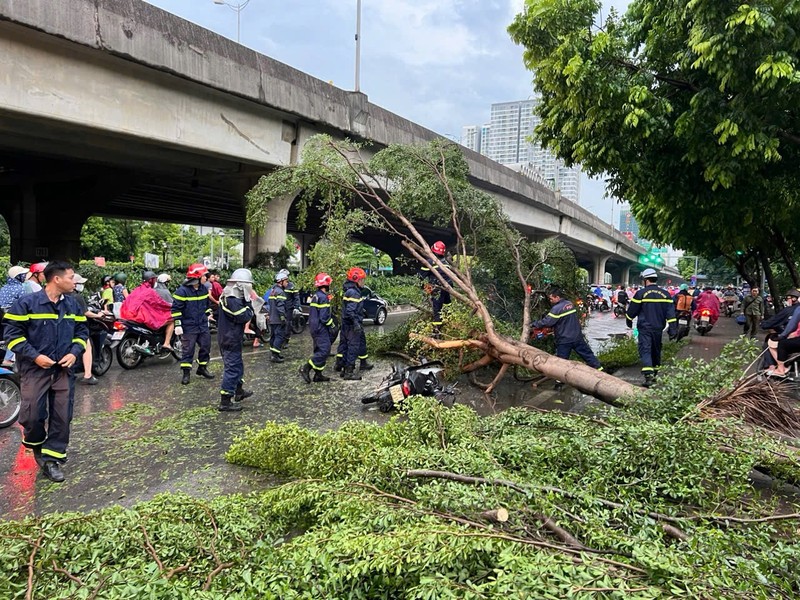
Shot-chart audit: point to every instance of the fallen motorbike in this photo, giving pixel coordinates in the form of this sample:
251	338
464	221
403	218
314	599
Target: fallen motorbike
10	397
134	342
421	380
703	323
684	320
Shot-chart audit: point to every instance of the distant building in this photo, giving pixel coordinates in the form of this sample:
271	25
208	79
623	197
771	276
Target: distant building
628	223
507	140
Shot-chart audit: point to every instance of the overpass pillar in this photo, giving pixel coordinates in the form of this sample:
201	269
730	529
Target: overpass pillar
273	236
626	275
599	269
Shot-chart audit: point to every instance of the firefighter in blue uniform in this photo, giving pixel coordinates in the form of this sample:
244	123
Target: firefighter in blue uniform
47	332
235	310
353	342
563	319
654	308
292	304
438	294
322	327
278	315
190	309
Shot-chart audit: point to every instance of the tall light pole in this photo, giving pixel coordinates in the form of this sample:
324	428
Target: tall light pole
358	45
237	8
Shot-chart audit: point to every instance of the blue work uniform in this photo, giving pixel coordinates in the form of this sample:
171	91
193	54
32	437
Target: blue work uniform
277	318
654	308
563	319
320	324
191	307
292	304
35	325
439	295
234	314
353	343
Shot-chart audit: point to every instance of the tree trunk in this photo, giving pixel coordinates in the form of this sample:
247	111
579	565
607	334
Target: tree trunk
770	276
786	255
508	351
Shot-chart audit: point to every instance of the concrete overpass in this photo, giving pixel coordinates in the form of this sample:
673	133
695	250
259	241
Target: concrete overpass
117	108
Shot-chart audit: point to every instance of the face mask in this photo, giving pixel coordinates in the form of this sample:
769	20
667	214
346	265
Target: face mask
78	287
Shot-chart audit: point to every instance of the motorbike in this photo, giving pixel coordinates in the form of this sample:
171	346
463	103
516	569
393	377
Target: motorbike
619	310
134	342
421	380
102	354
684	320
259	327
703	323
10	397
299	321
728	308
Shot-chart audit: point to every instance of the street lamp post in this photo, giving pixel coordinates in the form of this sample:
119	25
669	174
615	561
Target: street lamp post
358	46
237	8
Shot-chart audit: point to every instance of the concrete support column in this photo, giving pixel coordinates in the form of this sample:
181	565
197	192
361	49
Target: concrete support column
273	237
599	269
626	275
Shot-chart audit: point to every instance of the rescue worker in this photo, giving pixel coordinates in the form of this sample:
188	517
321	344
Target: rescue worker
47	331
278	315
190	309
654	308
292	305
322	327
563	319
432	286
235	310
354	341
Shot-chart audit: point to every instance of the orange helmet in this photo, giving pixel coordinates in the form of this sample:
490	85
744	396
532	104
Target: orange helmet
439	248
322	279
196	271
356	274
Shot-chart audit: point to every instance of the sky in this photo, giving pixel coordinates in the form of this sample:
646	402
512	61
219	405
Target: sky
439	63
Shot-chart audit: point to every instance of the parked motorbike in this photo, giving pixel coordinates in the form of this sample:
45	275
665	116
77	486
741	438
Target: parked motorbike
134	342
684	320
299	321
102	354
421	380
10	397
703	323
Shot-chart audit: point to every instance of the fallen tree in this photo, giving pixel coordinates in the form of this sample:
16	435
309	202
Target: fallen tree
403	185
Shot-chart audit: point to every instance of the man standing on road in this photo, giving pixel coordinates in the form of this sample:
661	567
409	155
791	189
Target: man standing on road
322	327
190	308
654	308
235	310
753	309
47	331
278	315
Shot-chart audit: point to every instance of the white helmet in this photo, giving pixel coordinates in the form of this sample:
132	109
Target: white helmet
164	278
241	276
649	274
281	275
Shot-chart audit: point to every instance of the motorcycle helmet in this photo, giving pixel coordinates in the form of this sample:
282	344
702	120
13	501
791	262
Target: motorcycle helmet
281	275
106	280
164	278
322	280
148	275
37	268
684	287
196	271
120	278
241	276
438	248
356	274
649	274
17	273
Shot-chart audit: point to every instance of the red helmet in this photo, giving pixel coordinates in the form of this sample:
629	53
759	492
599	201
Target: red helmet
356	274
196	271
322	279
439	248
38	267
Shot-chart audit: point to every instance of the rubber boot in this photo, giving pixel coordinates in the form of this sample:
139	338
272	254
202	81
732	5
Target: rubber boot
351	375
649	379
305	372
226	405
241	393
187	373
338	366
319	377
365	365
203	371
276	358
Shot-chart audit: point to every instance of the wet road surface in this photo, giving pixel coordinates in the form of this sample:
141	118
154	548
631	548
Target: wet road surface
139	433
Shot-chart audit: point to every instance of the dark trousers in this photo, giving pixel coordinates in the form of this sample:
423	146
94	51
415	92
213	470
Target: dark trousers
437	303
650	350
46	410
751	325
581	348
188	342
287	332
277	335
232	370
787	347
322	348
352	345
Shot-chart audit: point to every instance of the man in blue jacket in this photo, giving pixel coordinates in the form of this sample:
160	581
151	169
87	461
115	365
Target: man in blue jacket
235	310
321	325
278	315
47	331
563	319
654	309
190	309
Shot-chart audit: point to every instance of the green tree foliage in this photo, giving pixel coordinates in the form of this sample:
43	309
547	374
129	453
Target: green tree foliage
108	238
5	238
685	107
718	271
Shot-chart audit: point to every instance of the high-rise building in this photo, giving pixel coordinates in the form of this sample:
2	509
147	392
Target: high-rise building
507	138
471	137
628	223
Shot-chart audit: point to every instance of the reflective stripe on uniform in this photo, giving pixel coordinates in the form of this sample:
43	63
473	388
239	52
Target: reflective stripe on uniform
657	300
53	453
188	298
564	314
346	299
12	317
315	305
79	341
14	342
277	297
230	312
